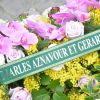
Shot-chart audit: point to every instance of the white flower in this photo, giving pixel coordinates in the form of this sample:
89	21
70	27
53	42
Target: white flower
14	54
59	67
46	12
52	45
2	59
74	29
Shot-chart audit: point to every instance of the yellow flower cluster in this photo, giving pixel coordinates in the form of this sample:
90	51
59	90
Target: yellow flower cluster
3	94
76	96
32	82
62	75
95	14
90	58
59	42
32	49
75	71
44	19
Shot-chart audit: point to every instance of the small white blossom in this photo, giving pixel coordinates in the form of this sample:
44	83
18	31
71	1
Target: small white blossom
2	59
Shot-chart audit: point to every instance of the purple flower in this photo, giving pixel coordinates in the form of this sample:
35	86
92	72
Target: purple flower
85	79
78	5
24	39
81	16
93	3
5	45
78	9
62	18
46	31
18	34
61	33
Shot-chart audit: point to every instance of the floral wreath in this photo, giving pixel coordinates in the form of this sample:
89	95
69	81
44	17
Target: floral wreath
78	79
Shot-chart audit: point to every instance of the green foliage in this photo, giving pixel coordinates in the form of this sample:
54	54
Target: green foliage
55	86
90	27
45	80
97	77
41	94
60	96
93	91
50	90
42	44
23	16
89	98
97	67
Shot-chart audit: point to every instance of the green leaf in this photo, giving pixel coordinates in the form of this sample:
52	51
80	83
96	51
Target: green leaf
97	77
89	98
41	94
42	44
85	90
22	16
60	96
55	86
97	67
90	27
45	80
90	86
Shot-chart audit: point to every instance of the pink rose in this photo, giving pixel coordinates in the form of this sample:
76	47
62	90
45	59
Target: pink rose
14	54
84	80
19	93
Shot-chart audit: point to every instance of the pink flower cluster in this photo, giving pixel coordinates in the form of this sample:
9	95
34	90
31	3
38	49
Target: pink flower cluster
14	34
76	10
70	18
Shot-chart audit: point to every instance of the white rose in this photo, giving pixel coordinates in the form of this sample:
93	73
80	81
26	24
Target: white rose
59	67
14	54
74	29
2	59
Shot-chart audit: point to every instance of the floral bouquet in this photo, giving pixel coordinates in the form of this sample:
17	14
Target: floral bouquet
78	79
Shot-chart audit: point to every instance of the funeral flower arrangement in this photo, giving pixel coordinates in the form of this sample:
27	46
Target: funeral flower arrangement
78	79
